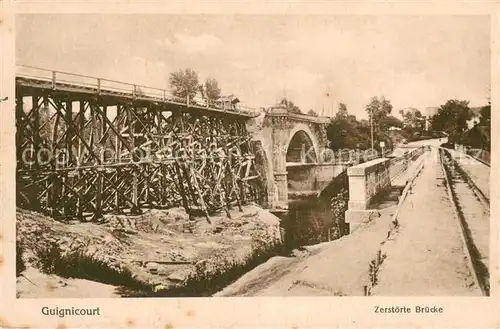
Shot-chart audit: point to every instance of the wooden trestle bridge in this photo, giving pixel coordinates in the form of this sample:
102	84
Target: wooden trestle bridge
89	146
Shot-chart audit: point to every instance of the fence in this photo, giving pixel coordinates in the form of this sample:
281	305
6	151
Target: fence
354	157
398	166
58	79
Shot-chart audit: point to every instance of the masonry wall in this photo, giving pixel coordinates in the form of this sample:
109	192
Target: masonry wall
367	180
312	177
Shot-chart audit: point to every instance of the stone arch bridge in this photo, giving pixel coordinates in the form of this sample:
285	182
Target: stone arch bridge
293	149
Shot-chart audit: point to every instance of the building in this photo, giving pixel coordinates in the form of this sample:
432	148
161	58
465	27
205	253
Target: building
429	113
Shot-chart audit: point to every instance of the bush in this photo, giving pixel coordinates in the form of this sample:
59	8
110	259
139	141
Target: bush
307	222
206	280
208	277
339	204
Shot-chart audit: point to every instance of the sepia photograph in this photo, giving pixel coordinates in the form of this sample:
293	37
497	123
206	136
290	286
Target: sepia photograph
176	155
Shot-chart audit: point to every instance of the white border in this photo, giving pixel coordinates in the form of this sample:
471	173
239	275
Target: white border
272	312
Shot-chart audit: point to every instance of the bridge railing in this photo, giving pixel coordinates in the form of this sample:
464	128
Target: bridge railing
100	85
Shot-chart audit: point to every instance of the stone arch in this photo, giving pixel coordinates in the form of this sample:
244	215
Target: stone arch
301	136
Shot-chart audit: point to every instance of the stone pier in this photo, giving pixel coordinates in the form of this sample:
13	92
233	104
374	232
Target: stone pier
366	180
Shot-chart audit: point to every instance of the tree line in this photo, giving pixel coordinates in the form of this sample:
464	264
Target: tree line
462	124
345	131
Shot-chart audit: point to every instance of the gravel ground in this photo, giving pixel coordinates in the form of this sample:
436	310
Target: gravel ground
426	257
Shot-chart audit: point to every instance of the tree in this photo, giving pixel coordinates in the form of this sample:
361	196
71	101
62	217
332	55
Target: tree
312	113
391	121
211	89
378	109
476	137
452	118
184	83
479	136
342	112
347	132
411	117
485	119
290	106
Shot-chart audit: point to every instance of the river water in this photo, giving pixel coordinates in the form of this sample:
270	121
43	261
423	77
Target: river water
310	220
307	222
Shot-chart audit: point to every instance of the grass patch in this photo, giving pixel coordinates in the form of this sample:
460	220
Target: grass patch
206	280
79	265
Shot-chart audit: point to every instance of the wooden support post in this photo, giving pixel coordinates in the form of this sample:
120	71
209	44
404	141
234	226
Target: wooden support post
103	138
99	194
182	191
64	195
131	126
69	135
79	205
118	158
81	127
93	126
54	195
135	195
36	127
21	124
131	132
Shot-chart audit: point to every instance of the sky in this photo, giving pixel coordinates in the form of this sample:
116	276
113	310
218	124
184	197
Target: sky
316	61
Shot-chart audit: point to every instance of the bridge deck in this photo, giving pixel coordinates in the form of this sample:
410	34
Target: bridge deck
113	91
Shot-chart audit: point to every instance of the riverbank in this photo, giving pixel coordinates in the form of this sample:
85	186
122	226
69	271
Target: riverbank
153	253
336	268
